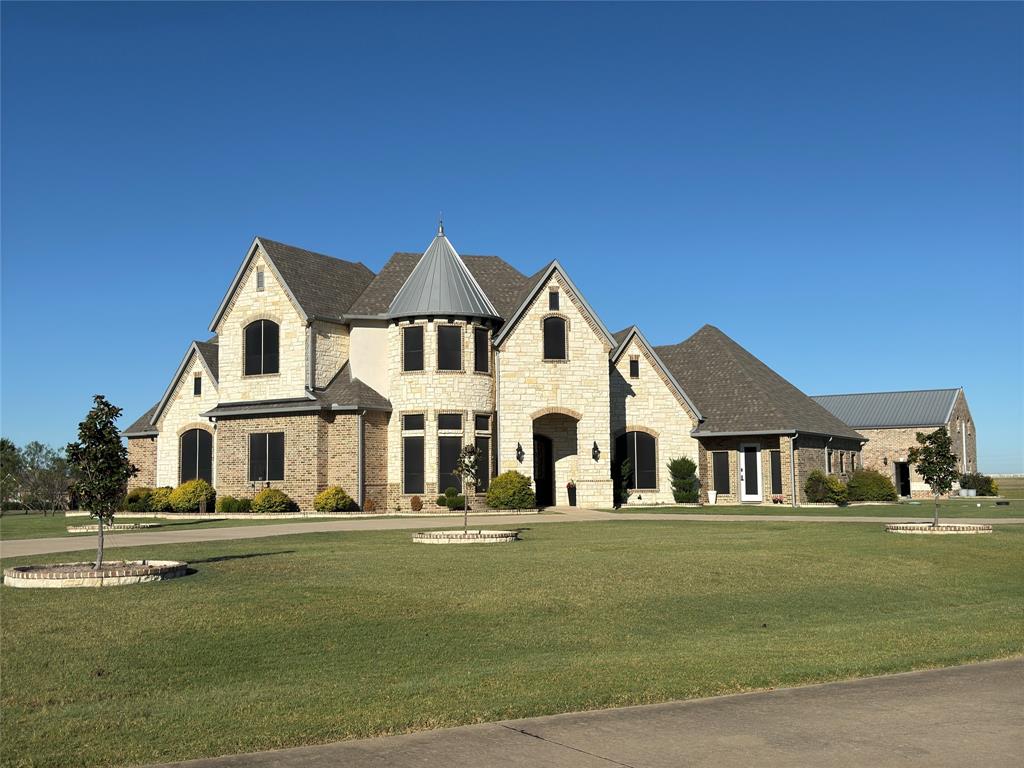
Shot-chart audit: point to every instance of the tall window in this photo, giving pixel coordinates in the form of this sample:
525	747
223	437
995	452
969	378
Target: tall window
776	467
261	347
197	385
481	352
266	456
449	421
828	462
260	283
448	449
412	348
554	338
641	450
634	367
553	300
720	471
196	456
449	347
482	427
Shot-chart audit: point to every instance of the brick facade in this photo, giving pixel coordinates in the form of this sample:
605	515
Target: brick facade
142	453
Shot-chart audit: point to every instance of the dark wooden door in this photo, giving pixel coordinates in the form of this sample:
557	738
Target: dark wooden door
543	470
903	478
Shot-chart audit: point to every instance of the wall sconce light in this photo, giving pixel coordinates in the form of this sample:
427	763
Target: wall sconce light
596	452
520	453
885	461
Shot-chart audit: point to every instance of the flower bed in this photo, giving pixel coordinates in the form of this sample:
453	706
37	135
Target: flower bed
114	573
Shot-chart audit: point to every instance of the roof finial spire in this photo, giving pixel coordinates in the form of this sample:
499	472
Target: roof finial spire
440	223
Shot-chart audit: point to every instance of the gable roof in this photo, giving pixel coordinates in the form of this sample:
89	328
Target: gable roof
142	427
915	408
319	286
738	394
441	284
208	353
625	336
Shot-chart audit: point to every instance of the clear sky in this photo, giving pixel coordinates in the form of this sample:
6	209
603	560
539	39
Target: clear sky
840	188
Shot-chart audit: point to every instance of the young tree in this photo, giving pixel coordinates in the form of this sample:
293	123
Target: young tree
684	480
45	478
466	468
101	464
10	471
936	463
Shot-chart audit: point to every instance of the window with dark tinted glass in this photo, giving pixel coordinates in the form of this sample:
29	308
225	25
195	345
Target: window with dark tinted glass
776	467
197	385
640	449
261	347
553	300
483	463
195	456
412	465
482	423
412	348
634	368
412	421
449	421
554	338
266	456
720	470
448	449
449	347
481	351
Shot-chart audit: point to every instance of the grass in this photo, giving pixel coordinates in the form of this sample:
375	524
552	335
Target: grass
1011	487
318	637
948	508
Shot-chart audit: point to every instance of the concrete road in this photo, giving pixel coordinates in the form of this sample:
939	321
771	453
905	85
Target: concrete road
25	547
959	717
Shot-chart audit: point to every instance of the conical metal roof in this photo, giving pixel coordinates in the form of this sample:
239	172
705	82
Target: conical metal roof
440	284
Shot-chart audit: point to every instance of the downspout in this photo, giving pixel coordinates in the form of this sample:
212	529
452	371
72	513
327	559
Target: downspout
497	411
360	457
792	468
963	442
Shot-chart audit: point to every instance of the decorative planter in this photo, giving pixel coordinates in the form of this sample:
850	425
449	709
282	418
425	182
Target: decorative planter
115	573
465	537
712	497
940	529
571	491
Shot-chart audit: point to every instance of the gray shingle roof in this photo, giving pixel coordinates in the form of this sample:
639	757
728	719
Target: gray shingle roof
141	426
345	391
211	356
917	408
737	393
322	285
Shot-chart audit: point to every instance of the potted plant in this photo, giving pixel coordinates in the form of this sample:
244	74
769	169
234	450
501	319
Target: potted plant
712	497
570	489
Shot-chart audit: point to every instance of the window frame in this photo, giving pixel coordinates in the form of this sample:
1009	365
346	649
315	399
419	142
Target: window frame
423	422
633	483
554	300
254	443
775	467
407	440
450	414
418	328
724	487
634	367
263	324
196	475
197	385
456	481
481	347
544	338
444	329
261	281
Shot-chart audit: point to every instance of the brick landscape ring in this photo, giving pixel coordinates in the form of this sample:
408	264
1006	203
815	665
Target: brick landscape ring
937	530
465	537
116	573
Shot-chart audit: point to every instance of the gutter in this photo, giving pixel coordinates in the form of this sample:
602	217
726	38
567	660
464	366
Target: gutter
792	468
497	412
360	459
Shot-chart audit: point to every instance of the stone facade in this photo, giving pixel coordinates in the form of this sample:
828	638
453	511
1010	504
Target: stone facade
142	453
182	413
330	350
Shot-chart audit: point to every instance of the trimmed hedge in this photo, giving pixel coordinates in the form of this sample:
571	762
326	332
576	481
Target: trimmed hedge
188	496
334	499
684	480
511	490
137	500
160	499
229	505
271	501
869	485
825	489
983	484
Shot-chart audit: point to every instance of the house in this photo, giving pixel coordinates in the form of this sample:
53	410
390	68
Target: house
320	373
891	420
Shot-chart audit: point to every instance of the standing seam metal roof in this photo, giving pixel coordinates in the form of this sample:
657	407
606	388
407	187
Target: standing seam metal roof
917	408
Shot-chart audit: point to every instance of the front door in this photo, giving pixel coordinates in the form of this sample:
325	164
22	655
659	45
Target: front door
750	473
543	471
903	478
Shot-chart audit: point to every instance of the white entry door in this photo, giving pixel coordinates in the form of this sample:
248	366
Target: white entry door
750	473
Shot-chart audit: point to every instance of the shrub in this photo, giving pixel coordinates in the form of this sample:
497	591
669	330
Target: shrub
188	496
511	490
229	505
442	500
684	480
334	499
869	485
416	503
983	484
620	483
821	488
137	500
271	501
160	499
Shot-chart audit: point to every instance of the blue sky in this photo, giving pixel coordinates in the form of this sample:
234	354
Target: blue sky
838	187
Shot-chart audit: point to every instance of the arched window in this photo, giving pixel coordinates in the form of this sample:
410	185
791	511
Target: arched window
261	342
554	338
196	456
641	450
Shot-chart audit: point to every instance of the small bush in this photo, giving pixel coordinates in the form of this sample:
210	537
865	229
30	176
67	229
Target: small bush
369	506
416	503
684	480
442	500
229	505
869	485
511	490
137	500
271	501
188	496
160	499
334	499
825	489
450	491
983	484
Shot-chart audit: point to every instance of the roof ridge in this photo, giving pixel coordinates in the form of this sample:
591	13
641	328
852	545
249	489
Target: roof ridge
891	392
264	239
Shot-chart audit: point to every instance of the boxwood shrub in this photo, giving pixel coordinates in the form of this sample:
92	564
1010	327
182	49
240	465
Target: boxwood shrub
229	505
869	485
160	499
271	501
137	500
188	496
511	490
334	499
825	489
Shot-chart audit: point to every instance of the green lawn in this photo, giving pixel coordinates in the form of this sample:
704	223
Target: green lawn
947	508
1011	487
318	637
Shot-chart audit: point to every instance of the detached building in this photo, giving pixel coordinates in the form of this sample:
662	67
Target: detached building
891	420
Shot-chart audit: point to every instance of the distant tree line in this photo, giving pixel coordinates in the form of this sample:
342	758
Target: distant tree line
34	478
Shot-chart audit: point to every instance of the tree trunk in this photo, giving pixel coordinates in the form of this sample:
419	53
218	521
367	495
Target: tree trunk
99	546
935	522
465	512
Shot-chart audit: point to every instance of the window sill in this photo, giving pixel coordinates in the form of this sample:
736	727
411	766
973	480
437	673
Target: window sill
555	360
247	376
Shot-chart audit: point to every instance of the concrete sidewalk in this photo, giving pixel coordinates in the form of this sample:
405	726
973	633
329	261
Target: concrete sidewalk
958	717
27	547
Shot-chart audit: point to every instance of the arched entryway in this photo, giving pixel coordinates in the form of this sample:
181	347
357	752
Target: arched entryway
554	456
195	456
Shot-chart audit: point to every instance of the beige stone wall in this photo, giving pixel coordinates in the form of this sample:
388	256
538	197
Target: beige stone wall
432	392
182	413
330	350
961	432
369	353
650	404
529	385
142	453
248	305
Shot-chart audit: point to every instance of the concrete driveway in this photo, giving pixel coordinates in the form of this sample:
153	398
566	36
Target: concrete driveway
960	717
